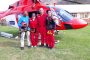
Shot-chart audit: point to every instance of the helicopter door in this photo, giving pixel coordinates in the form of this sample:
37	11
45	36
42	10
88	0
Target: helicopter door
30	13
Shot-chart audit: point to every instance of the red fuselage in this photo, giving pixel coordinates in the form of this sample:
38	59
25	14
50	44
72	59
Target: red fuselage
66	22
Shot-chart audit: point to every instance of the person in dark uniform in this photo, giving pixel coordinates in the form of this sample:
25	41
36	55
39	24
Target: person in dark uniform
50	26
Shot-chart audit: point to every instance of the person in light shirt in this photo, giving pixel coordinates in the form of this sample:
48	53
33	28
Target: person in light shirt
24	29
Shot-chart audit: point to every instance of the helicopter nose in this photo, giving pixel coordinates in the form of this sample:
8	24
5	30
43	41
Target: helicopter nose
78	23
82	24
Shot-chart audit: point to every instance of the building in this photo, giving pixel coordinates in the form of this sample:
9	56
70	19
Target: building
11	20
3	22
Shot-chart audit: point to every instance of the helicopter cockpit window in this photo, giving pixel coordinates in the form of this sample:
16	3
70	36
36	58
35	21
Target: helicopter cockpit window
65	15
10	7
46	1
42	1
18	3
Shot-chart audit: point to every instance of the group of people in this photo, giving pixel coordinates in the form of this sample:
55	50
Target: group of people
37	25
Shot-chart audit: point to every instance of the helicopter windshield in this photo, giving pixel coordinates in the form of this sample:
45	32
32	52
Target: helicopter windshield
48	1
64	15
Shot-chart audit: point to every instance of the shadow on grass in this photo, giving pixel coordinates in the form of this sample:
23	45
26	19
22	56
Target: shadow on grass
59	36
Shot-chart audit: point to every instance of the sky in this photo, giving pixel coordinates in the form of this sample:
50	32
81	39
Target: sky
4	4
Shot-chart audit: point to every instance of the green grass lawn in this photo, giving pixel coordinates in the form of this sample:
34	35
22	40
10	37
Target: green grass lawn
8	29
74	45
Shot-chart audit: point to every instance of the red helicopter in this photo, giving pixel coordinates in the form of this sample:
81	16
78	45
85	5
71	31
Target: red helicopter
67	21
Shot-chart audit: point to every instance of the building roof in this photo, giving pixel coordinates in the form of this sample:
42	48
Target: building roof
75	8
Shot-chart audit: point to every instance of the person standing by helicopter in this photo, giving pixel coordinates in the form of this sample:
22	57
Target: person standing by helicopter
23	28
42	26
33	24
50	25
